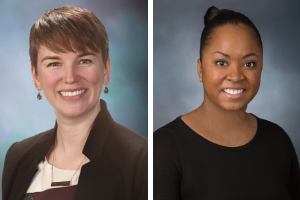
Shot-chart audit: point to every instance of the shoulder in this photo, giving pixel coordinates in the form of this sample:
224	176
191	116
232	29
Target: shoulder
168	133
270	126
168	148
267	126
129	137
125	144
273	133
20	153
169	138
25	147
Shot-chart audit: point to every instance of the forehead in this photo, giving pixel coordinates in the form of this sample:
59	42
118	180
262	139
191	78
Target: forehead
235	39
44	52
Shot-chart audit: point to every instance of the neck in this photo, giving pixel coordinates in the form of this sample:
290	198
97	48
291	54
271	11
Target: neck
221	119
72	133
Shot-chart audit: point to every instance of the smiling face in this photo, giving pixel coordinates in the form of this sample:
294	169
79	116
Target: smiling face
231	67
72	82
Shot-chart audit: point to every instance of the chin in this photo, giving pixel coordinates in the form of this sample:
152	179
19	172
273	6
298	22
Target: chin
234	107
73	111
73	114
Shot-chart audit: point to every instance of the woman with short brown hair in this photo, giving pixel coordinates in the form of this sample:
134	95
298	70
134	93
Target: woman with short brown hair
87	155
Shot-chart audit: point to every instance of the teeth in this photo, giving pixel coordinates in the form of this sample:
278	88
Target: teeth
71	94
233	91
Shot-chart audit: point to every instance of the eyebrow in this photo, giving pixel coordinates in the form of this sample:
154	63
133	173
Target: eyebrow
245	56
50	58
57	58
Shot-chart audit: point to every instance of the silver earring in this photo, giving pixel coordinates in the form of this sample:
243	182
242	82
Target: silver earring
39	96
106	90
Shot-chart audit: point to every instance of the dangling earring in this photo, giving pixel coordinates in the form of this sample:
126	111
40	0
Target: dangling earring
200	79
39	96
106	90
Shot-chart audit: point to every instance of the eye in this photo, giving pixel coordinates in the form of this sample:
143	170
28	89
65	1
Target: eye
221	63
249	64
85	61
55	64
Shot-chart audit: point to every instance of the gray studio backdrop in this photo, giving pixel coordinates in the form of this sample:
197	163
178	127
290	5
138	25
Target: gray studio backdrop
22	115
177	29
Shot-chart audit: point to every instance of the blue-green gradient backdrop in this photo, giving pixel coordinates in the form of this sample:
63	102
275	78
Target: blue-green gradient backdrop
22	115
177	27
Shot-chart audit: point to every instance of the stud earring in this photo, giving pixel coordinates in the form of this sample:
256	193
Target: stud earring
200	79
39	96
106	90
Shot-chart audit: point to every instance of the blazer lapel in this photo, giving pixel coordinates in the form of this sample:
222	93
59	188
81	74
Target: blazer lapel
88	184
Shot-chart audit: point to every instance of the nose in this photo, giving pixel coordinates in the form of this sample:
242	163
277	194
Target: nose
235	73
71	74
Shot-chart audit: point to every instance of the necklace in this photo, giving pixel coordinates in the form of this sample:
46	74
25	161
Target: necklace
65	183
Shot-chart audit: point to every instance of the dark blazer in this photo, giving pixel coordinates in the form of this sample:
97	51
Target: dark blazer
118	167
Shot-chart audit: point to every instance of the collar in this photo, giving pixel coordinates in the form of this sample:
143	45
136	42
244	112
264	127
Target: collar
95	142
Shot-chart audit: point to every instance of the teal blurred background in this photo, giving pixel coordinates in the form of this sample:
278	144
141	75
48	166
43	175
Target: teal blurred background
22	115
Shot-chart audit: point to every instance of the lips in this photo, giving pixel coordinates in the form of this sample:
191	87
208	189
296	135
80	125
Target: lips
233	91
72	93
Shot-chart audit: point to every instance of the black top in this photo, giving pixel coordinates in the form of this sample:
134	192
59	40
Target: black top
190	167
118	167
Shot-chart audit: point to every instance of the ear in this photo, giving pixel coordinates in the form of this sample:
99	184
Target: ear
107	72
36	80
199	68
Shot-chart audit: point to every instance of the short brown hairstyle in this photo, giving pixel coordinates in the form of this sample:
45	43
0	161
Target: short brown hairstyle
68	28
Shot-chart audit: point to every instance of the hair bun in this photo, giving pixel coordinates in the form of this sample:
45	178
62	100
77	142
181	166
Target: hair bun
210	13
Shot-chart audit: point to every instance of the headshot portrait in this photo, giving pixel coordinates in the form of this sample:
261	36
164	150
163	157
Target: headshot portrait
75	126
226	115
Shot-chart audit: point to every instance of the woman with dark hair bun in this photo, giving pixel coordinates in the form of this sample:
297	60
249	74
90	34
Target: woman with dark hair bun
219	151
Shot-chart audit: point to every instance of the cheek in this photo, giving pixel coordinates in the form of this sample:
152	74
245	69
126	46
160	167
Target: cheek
254	79
213	76
49	80
94	76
